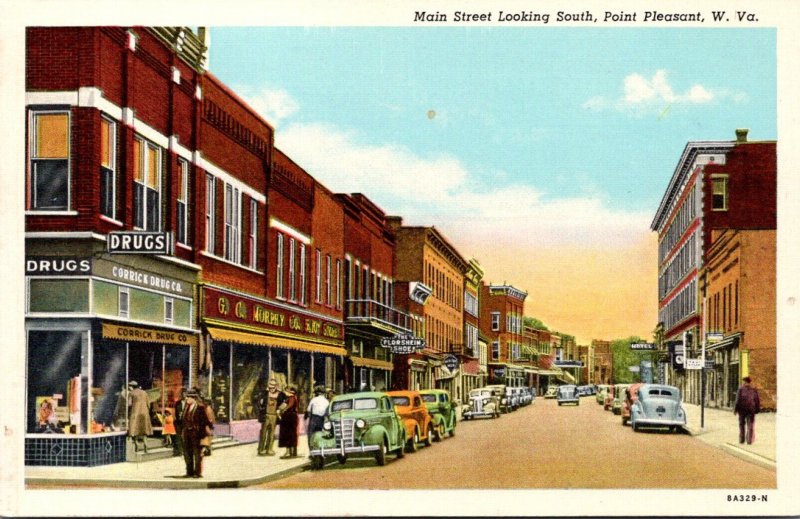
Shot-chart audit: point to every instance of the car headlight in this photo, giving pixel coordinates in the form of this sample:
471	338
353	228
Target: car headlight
360	423
327	426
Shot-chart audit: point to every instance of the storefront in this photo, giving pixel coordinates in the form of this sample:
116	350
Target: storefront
248	341
94	323
508	374
723	379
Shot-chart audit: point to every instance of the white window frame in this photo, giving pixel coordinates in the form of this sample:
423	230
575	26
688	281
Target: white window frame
725	194
124	295
319	276
279	266
338	283
112	168
169	310
302	273
144	145
328	279
211	204
292	271
253	260
233	219
495	321
183	199
32	169
495	347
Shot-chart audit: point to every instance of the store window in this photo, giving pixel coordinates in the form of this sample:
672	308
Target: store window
55	392
147	169
161	371
59	295
49	167
221	381
250	370
109	390
108	167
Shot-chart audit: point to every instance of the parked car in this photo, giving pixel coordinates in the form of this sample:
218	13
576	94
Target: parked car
568	394
631	394
526	396
501	391
602	393
551	392
359	424
619	395
609	400
442	411
414	414
483	401
658	405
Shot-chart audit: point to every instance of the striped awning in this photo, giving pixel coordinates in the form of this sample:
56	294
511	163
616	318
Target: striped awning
221	334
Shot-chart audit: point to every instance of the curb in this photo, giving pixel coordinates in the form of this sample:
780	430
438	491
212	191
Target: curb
749	456
176	484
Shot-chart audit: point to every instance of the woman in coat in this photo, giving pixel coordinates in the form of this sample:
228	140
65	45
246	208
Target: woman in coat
288	423
139	425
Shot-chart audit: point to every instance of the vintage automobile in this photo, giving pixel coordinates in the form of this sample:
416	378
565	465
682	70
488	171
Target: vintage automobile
502	393
414	414
551	392
359	424
630	396
567	394
442	411
609	400
483	401
658	405
602	393
526	396
619	395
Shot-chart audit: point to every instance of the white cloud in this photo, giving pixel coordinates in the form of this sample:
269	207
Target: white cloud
439	190
274	105
645	95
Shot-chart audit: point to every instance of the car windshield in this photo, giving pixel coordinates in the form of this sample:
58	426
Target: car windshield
480	393
429	398
358	403
400	400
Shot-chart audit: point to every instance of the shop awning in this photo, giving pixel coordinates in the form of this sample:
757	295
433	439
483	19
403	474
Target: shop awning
548	372
221	334
731	340
566	377
533	371
372	363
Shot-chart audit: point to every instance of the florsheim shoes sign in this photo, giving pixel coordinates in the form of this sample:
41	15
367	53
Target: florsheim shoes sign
139	242
403	344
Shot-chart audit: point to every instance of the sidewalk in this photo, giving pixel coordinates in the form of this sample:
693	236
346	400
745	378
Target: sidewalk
722	430
228	467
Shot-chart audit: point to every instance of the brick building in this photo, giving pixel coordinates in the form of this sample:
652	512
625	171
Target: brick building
502	308
602	370
716	185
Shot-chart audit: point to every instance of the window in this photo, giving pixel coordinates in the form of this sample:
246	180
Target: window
495	350
183	202
49	161
211	202
319	276
169	312
292	272
233	250
302	274
719	193
495	321
124	302
338	283
328	279
108	167
279	267
146	185
253	238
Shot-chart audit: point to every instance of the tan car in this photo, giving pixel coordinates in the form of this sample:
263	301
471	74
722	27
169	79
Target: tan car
415	417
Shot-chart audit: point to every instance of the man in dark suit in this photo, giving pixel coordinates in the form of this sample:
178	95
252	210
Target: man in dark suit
180	407
196	426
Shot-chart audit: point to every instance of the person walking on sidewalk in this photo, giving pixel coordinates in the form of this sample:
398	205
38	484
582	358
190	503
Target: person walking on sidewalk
747	406
196	427
315	413
288	420
268	403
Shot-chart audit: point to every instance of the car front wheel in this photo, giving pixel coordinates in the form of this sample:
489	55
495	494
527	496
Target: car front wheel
429	436
439	435
412	443
317	462
380	455
342	459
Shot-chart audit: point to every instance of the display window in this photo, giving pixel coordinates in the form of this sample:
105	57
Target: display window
250	374
55	392
109	388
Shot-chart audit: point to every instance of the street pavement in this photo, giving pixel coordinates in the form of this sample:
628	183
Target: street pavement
240	466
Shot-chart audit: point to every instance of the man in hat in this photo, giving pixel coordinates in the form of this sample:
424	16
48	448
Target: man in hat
269	402
195	427
746	406
315	412
180	407
139	424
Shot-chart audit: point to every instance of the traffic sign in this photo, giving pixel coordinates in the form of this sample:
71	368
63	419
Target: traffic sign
693	363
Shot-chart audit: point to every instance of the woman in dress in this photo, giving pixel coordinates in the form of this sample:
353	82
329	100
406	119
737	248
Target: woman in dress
288	424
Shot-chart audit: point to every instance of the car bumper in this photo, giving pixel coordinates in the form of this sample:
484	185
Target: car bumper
356	449
659	421
478	413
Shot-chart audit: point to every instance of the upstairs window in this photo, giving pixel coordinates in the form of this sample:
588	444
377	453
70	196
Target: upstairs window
233	249
495	321
279	267
719	193
146	185
108	168
211	204
182	233
253	238
49	170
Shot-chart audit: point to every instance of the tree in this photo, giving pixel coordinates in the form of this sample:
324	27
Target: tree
534	323
624	357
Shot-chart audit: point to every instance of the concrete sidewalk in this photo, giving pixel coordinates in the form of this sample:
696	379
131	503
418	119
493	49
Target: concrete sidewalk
721	429
229	467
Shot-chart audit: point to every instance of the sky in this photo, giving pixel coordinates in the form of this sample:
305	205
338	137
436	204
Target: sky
541	152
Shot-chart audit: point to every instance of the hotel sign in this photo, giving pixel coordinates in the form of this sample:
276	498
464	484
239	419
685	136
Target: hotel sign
241	310
139	242
643	346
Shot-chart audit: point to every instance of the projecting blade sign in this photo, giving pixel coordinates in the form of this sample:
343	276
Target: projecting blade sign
403	344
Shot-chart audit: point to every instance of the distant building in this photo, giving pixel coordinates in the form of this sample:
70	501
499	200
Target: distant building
502	308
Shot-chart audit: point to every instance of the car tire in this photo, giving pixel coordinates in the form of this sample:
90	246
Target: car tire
439	433
380	454
412	443
453	430
317	462
401	452
341	458
429	436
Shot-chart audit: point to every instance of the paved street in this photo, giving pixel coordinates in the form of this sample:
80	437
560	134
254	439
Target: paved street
547	446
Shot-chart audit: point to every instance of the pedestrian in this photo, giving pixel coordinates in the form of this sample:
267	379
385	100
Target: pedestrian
139	424
169	429
288	421
196	427
268	404
747	406
212	418
180	407
315	413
